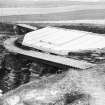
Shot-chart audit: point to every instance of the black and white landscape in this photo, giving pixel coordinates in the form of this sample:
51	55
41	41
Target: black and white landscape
24	81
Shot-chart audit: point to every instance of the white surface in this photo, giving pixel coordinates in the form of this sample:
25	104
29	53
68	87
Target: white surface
9	44
27	26
62	41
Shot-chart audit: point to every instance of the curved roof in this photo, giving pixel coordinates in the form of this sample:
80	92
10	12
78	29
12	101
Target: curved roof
62	41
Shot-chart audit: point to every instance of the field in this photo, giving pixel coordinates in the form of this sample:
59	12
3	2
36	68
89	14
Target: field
46	11
76	15
16	72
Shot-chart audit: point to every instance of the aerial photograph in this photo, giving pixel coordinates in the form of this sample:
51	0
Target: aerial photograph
52	52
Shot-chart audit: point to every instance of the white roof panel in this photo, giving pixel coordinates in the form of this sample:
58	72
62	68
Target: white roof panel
62	41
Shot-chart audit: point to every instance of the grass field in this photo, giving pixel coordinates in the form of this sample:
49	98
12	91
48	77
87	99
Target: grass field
46	3
53	12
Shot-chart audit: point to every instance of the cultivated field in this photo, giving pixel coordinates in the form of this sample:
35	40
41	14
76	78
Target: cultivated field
53	12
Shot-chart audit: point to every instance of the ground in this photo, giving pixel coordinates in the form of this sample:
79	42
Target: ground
16	70
76	87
